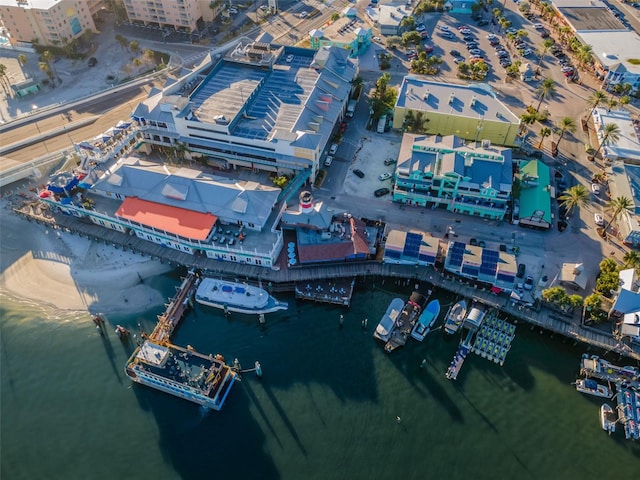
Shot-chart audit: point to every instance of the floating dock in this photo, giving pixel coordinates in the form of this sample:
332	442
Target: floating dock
336	291
185	373
493	340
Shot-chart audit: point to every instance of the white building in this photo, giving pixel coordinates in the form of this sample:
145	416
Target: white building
261	106
627	147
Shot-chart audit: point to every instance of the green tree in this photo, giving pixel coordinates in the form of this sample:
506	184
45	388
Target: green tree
4	79
567	124
134	46
546	45
411	38
611	133
544	133
584	54
408	23
593	308
631	259
335	16
546	91
575	197
597	98
617	206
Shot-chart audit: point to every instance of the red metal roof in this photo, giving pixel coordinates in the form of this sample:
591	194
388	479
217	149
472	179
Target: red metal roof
186	223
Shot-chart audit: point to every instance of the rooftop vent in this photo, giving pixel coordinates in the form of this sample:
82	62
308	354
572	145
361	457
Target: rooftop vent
473	101
452	97
426	95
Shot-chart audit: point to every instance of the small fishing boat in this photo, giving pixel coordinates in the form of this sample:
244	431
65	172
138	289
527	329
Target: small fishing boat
388	322
608	418
455	317
591	387
426	321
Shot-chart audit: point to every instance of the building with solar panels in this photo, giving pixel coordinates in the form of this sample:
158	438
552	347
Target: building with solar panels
261	107
492	267
448	173
411	248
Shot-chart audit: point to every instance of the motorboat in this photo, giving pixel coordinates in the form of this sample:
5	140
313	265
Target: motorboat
455	317
388	322
426	321
591	387
237	297
608	418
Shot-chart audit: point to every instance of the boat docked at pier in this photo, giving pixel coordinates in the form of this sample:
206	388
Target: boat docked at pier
608	418
185	373
388	322
406	321
455	317
591	387
237	297
426	321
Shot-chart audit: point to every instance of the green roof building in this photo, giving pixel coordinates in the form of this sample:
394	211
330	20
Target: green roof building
535	195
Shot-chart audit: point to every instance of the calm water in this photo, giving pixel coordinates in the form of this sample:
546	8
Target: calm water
326	407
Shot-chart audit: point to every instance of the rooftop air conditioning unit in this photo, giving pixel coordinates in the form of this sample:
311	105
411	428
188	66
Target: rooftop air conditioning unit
486	143
451	98
473	101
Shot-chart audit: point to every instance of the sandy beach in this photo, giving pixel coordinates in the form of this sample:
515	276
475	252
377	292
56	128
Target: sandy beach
71	273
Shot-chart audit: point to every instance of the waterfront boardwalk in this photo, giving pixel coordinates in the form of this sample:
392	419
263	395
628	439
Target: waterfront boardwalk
285	278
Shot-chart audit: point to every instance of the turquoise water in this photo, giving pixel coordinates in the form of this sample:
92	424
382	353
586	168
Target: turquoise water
325	408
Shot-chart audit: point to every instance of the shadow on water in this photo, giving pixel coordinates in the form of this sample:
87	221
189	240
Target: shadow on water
265	418
284	417
111	354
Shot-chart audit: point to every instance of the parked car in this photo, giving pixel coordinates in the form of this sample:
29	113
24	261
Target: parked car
304	14
522	268
503	247
491	36
381	192
528	283
475	51
428	49
358	173
389	161
289	58
473	242
482	23
527	52
465	31
595	188
333	149
420	27
328	161
454	53
502	54
444	28
598	219
448	35
538	26
469	38
93	61
384	176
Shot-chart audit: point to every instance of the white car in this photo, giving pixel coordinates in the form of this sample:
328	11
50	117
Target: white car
491	36
538	26
466	31
304	14
444	28
333	149
527	52
598	219
595	188
328	161
384	176
233	11
420	28
377	39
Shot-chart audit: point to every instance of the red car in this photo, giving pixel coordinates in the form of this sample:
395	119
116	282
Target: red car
343	127
428	49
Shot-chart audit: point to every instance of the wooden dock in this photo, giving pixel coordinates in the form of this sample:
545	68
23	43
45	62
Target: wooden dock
366	272
169	320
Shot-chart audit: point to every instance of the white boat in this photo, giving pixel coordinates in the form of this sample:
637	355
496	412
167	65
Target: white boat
237	297
426	321
591	387
455	317
388	322
608	418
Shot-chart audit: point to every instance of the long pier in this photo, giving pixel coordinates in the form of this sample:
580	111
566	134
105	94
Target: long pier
169	320
367	272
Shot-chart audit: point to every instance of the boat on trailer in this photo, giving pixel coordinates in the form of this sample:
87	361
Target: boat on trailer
455	317
237	297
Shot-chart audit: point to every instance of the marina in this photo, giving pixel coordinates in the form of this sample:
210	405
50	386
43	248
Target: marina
405	322
493	340
182	372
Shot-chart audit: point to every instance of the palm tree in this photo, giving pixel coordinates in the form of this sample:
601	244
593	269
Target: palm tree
546	45
567	124
544	133
546	91
611	133
584	54
575	197
22	60
596	99
46	58
4	79
631	259
617	206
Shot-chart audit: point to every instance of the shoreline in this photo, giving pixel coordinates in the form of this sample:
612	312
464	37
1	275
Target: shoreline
71	273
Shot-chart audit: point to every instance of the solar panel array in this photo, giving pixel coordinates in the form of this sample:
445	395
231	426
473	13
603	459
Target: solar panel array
456	253
490	260
412	245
